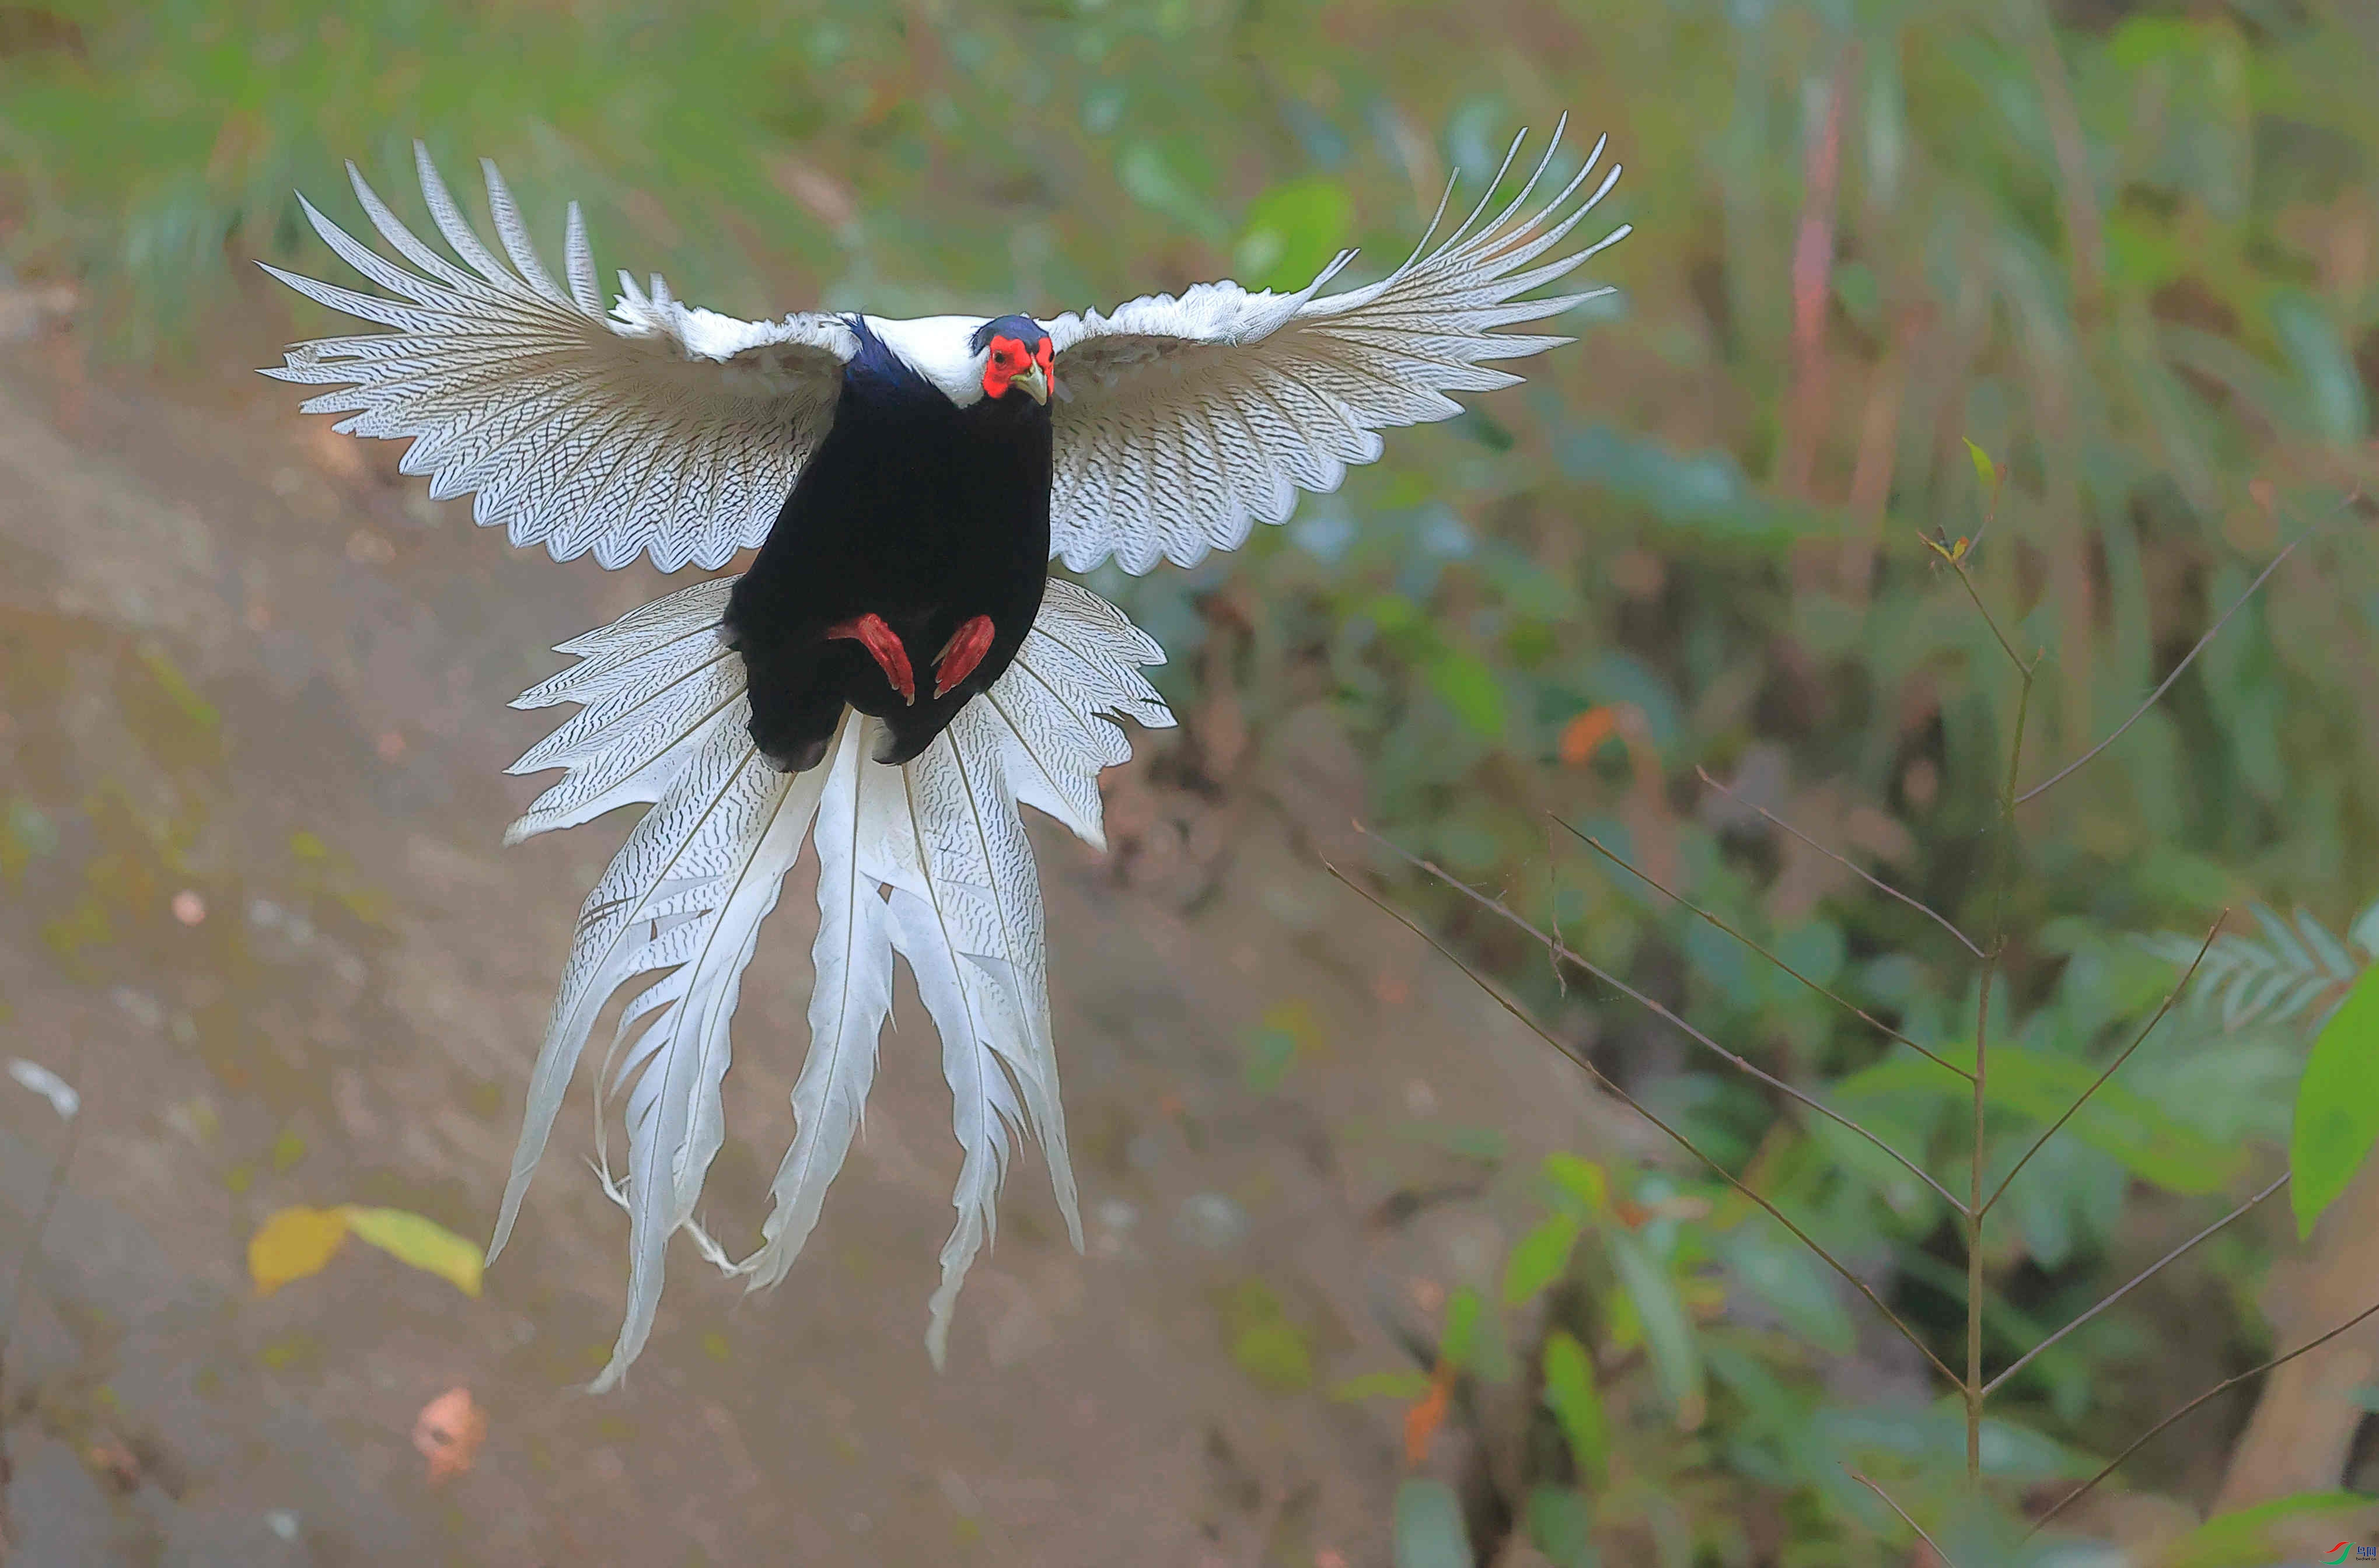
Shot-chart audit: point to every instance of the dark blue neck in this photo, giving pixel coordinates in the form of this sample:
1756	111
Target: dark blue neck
881	375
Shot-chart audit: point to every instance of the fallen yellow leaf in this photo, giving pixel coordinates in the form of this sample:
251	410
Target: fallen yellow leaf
292	1244
424	1243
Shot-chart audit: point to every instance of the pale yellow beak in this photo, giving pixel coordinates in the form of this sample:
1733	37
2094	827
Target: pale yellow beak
1034	382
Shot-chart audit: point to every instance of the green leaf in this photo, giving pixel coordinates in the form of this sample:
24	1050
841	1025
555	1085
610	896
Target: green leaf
1407	1386
2247	1534
1987	474
1538	1260
2116	1121
1274	1355
2337	1105
1429	1533
1668	1334
1292	230
1459	1338
1789	1278
1471	689
1577	1404
1562	1525
424	1243
2332	389
1270	1348
1164	180
1582	1180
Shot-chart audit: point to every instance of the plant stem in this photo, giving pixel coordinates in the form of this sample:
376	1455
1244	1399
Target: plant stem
1975	1388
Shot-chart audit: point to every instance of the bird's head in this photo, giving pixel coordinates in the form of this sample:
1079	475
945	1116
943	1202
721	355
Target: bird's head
1015	356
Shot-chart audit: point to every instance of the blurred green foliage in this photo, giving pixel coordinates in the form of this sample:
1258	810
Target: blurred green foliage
2092	283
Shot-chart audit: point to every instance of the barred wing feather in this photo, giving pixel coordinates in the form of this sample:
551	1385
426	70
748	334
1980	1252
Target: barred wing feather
928	861
658	429
1180	422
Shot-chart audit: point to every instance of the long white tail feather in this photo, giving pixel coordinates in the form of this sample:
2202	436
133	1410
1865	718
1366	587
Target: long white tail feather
674	1115
929	861
976	875
850	992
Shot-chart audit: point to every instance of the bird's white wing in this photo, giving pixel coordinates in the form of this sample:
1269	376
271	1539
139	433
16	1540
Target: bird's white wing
1179	422
657	429
928	862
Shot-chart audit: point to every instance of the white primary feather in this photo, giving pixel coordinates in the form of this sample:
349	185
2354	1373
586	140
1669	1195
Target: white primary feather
657	429
1181	421
929	861
678	433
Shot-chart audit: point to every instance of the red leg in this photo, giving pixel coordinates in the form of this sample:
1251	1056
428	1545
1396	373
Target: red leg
870	633
961	654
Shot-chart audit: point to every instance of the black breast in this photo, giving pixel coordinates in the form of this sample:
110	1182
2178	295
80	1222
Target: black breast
914	509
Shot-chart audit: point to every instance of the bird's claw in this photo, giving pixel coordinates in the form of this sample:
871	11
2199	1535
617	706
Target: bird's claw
961	655
882	644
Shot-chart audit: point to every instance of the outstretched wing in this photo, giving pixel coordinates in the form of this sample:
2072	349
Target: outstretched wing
1182	421
657	429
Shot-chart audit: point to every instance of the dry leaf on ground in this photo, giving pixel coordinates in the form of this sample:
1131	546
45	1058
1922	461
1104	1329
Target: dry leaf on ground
292	1244
449	1432
424	1243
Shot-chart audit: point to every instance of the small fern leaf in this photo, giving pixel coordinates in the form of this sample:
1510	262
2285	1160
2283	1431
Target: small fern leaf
2335	961
2290	952
2306	993
2364	934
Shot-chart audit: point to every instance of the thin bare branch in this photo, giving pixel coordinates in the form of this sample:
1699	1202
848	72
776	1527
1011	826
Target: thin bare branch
2225	1385
1637	1105
1919	905
2166	684
1848	1006
1555	944
1967	581
2137	1041
1905	1519
2137	1280
1972	1387
1552	908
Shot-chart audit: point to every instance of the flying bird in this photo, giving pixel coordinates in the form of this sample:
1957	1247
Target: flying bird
897	673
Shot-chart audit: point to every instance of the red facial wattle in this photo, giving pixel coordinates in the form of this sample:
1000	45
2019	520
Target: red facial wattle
1008	358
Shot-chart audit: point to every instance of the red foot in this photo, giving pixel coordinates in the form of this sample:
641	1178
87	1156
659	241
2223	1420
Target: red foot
961	654
870	633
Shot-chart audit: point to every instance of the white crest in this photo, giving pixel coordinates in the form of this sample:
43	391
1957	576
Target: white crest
938	348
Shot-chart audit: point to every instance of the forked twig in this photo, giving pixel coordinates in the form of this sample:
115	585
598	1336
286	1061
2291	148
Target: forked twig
1919	905
1905	1519
2224	1386
2166	684
1554	944
1848	1006
2136	1281
2137	1041
1637	1105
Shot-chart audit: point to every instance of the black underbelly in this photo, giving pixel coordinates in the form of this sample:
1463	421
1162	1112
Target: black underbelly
924	521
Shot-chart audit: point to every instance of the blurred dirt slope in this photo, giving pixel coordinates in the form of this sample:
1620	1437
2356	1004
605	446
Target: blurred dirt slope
238	659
